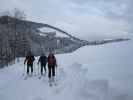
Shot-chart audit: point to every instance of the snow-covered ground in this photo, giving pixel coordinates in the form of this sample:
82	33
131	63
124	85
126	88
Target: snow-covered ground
103	72
49	30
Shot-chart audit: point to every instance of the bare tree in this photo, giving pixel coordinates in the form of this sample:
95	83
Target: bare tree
7	51
19	14
5	13
16	13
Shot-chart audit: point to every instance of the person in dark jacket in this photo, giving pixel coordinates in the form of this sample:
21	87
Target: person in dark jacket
29	59
52	64
43	62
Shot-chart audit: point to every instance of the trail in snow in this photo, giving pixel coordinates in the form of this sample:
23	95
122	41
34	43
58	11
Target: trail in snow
90	73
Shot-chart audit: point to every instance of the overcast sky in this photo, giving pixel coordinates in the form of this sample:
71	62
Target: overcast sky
89	19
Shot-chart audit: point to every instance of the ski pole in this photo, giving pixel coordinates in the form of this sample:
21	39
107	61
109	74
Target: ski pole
24	70
56	74
34	70
38	68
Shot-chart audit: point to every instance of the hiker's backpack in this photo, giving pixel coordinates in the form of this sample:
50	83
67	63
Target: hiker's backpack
30	59
51	61
43	59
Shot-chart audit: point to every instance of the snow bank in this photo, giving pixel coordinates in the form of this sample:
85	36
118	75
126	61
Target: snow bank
101	72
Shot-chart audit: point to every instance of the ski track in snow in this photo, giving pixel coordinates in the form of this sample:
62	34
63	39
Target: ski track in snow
80	78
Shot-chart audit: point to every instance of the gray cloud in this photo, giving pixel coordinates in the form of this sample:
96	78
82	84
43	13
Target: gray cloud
111	8
84	18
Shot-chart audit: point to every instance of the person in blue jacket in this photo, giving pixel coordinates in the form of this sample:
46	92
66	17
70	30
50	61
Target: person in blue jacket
43	61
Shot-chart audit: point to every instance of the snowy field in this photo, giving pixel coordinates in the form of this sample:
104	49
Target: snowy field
103	72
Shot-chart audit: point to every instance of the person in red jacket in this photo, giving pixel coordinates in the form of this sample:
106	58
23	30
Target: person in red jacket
52	64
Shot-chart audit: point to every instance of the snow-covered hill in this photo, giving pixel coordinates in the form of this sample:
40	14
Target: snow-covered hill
101	72
50	31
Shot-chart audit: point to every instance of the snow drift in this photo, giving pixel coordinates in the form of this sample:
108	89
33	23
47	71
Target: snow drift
101	72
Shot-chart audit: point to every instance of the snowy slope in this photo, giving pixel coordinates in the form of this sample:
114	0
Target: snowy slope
101	72
49	30
109	65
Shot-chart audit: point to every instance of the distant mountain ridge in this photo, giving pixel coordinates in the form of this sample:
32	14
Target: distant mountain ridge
20	36
28	31
34	25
